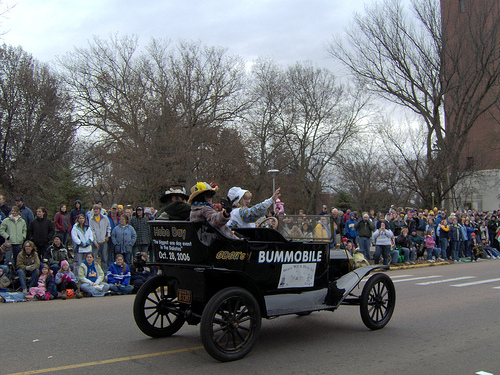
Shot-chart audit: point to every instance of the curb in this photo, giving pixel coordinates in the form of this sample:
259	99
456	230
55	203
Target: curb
405	267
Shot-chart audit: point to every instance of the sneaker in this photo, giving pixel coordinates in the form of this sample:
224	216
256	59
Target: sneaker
412	262
441	259
78	295
456	261
489	257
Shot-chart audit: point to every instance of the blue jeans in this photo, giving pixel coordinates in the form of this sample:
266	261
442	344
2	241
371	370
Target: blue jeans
409	254
436	251
22	277
444	247
102	251
455	246
385	251
364	246
121	289
11	255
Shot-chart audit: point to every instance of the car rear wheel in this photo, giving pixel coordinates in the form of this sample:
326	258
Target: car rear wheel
157	312
377	301
230	324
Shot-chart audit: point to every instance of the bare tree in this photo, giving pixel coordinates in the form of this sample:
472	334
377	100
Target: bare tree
407	60
36	128
300	121
158	116
321	118
268	96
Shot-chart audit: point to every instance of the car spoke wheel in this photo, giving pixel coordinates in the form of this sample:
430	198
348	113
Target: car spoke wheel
156	312
377	301
230	324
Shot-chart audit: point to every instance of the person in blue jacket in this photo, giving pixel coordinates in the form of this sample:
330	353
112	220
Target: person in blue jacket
118	276
350	231
123	238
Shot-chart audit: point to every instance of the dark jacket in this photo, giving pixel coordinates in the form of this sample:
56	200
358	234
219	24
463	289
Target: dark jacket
365	228
403	241
41	231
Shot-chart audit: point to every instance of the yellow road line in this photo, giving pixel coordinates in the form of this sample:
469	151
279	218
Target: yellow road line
106	361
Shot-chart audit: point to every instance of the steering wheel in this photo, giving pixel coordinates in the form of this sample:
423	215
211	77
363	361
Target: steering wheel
267	222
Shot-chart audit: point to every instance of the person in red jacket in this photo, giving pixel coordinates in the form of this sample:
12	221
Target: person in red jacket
62	222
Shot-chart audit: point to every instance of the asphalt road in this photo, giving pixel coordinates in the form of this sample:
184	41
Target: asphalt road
447	321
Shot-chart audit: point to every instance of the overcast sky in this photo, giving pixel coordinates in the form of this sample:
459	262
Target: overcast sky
286	30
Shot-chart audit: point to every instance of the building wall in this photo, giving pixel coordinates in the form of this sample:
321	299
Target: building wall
471	30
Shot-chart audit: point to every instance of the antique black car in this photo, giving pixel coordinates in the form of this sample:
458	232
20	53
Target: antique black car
229	285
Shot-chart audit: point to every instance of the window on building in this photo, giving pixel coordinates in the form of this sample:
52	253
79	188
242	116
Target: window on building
462	6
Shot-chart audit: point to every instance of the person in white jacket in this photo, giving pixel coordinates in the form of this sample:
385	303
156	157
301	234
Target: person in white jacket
83	238
244	216
383	243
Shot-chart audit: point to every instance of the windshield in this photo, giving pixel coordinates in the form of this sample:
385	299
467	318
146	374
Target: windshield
306	227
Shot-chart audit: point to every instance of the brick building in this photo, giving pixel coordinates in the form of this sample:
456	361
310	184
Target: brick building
471	56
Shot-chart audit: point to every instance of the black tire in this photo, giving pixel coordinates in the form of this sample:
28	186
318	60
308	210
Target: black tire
230	324
378	300
156	311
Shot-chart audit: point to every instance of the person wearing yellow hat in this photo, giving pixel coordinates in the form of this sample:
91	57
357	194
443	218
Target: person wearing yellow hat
202	209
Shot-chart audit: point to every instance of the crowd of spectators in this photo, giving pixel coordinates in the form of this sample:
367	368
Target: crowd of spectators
78	252
90	252
409	234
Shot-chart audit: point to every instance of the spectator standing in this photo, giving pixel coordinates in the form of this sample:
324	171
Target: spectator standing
114	220
99	224
322	230
77	210
338	219
14	230
365	228
123	238
140	224
383	242
3	207
62	223
148	213
444	238
493	227
399	224
24	211
350	231
83	239
41	232
455	236
324	210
